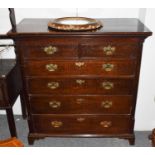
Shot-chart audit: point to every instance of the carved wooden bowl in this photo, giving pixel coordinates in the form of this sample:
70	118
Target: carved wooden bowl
74	24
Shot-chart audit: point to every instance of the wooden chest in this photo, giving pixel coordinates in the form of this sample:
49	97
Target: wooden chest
80	84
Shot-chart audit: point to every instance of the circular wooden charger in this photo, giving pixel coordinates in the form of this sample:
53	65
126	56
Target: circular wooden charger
74	24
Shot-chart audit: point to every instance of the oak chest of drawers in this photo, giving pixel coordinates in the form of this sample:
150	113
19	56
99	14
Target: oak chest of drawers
80	84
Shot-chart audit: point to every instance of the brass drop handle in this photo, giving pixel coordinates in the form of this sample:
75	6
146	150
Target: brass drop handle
108	67
51	67
50	50
79	64
53	85
56	124
106	124
109	50
80	82
106	104
107	85
54	104
80	119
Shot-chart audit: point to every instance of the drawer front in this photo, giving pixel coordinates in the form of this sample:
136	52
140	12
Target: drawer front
82	124
79	86
50	51
49	48
104	68
94	104
109	47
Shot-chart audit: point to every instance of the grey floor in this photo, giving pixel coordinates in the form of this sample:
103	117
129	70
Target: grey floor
22	130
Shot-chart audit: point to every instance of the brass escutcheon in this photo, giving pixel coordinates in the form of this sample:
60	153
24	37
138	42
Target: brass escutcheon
79	64
79	100
80	119
106	104
80	82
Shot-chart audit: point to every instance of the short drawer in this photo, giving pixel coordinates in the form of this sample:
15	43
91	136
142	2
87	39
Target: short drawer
82	124
50	51
80	86
109	47
105	68
49	48
94	104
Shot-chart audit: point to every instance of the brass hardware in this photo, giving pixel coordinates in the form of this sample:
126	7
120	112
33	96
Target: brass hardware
80	82
108	67
51	67
50	50
106	104
109	50
80	119
106	124
107	85
79	100
79	64
56	124
54	104
53	85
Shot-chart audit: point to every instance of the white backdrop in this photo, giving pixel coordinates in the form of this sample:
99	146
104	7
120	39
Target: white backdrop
145	111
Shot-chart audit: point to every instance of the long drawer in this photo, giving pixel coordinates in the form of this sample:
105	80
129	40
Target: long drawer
82	124
79	86
105	68
95	104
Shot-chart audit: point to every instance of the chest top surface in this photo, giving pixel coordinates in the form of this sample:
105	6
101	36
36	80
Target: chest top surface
111	26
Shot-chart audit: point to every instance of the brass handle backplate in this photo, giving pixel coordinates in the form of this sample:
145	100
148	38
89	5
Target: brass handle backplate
50	50
106	104
54	104
79	64
80	82
53	85
109	50
107	85
51	67
106	124
108	67
56	124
